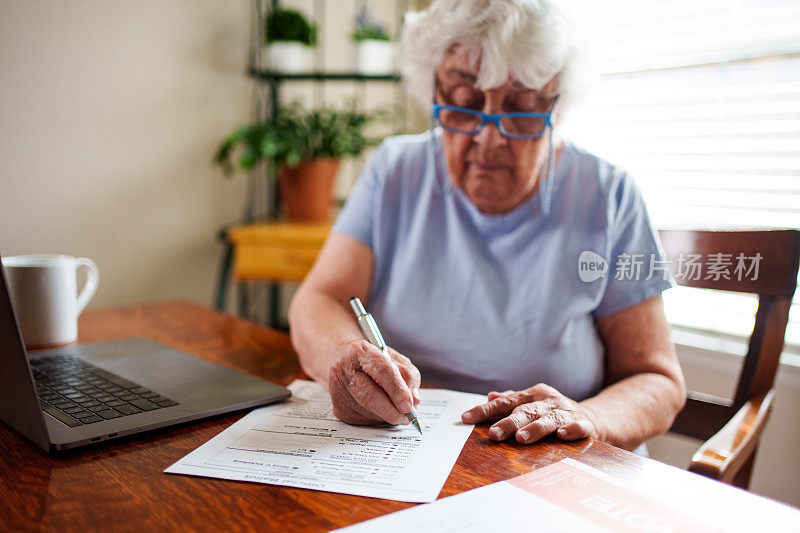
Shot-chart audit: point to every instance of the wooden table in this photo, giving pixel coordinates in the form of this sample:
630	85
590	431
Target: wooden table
120	486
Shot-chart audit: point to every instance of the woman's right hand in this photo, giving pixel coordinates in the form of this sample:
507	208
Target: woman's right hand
366	388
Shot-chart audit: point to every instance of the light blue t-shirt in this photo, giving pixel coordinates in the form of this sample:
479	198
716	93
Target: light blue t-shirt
494	302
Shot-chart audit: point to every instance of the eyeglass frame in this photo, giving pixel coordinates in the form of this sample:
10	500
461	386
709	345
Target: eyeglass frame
495	118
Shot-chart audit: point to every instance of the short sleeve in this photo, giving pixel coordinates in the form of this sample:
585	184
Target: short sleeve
357	218
637	271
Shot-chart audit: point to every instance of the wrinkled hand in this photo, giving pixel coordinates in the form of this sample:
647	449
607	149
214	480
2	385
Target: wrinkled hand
532	414
367	389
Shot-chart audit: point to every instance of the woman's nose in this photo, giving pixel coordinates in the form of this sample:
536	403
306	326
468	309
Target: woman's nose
490	135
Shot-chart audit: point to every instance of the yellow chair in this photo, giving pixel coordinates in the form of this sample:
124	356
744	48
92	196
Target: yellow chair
268	253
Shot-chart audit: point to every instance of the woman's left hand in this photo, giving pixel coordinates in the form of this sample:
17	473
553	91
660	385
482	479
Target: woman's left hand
532	414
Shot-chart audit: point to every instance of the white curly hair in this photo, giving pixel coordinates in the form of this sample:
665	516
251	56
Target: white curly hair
535	40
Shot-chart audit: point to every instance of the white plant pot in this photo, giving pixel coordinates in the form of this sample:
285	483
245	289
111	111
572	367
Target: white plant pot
375	57
291	57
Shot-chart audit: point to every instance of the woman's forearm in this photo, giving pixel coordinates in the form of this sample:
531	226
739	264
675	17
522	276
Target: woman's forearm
320	326
636	408
320	318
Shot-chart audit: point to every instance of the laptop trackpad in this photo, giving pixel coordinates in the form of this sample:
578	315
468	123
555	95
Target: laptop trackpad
179	376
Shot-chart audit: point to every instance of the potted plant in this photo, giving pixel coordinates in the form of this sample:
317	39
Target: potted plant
288	36
305	147
374	47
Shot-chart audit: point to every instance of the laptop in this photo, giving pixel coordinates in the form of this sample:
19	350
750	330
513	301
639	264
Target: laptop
77	395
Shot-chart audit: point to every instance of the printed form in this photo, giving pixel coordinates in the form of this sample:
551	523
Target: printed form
299	443
569	496
564	497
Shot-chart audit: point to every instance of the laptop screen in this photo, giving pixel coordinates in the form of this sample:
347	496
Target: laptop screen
19	404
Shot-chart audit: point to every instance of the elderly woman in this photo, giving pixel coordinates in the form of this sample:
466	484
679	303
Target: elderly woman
465	243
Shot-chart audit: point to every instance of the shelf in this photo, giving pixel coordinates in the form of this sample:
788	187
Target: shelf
268	75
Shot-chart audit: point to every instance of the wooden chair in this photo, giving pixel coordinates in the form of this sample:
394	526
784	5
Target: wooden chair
731	428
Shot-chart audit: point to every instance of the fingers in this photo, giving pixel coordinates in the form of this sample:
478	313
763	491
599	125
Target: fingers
500	404
541	427
579	429
350	412
415	395
558	422
357	397
367	386
527	425
408	372
499	407
531	415
492	395
345	407
520	417
387	375
373	398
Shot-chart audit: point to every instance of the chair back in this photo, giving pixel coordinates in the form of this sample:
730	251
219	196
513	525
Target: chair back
764	263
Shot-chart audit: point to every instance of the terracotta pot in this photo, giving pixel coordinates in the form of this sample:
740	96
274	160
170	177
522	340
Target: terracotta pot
307	190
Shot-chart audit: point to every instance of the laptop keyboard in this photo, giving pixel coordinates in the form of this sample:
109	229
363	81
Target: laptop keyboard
76	392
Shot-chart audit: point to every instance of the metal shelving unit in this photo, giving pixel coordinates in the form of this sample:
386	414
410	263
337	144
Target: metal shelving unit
276	77
261	301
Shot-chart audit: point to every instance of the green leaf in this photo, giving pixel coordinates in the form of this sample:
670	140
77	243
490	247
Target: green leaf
293	159
289	25
248	158
296	134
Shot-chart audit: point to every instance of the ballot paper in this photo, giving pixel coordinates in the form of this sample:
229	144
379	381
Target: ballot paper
299	443
569	496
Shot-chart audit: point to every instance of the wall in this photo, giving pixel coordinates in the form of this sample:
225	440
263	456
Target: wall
110	113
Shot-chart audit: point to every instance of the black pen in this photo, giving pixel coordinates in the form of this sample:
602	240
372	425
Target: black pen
370	330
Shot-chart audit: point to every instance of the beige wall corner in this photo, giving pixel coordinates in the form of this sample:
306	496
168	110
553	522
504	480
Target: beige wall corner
110	114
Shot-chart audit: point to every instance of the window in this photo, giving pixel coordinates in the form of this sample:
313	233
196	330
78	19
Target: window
700	101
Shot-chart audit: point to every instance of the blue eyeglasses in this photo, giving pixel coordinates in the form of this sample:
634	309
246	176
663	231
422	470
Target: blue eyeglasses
510	125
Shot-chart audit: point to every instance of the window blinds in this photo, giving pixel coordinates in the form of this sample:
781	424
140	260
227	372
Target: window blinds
700	101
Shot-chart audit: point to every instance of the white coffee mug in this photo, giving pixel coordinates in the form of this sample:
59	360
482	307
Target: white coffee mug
44	292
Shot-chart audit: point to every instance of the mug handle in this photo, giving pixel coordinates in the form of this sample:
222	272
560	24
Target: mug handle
92	280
